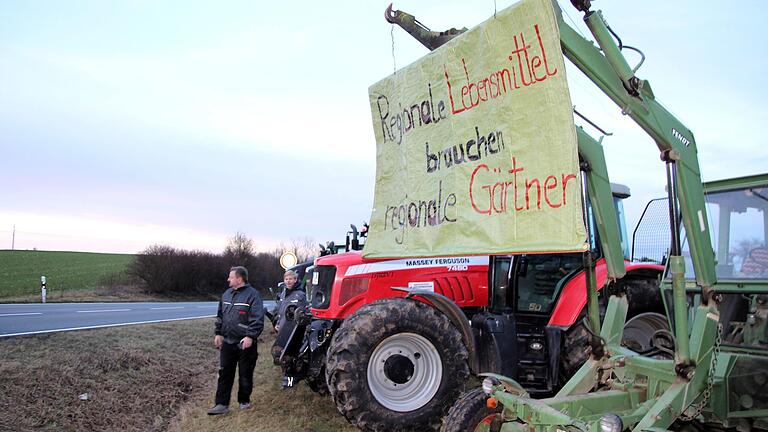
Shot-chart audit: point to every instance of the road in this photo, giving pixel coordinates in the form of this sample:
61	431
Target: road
33	318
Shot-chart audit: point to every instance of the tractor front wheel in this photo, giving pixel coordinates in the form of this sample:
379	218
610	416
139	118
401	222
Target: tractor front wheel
396	365
471	414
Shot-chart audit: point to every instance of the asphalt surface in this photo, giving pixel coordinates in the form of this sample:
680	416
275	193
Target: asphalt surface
33	318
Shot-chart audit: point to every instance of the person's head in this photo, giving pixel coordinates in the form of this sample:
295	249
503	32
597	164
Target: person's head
290	278
238	276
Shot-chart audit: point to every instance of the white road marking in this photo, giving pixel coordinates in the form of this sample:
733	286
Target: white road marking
411	263
21	314
169	307
103	310
102	326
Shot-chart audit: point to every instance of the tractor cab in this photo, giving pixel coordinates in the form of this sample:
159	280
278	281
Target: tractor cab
738	219
542	297
531	283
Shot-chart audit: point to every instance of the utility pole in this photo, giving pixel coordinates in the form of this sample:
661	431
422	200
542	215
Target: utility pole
13	237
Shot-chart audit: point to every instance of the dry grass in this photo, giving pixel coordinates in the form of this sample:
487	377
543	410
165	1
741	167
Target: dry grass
274	410
136	377
143	378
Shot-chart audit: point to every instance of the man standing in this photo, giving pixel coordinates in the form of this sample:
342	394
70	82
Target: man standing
292	293
238	324
291	298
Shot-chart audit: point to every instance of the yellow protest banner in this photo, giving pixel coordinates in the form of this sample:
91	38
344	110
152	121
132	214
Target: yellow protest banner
476	145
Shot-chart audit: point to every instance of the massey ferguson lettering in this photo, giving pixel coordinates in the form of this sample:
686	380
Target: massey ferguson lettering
437	261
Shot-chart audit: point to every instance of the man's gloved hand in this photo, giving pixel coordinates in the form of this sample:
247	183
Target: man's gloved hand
302	316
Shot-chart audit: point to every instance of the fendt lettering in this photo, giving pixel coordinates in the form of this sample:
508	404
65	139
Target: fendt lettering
681	138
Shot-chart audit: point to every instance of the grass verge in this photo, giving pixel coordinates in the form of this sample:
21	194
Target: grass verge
117	293
143	378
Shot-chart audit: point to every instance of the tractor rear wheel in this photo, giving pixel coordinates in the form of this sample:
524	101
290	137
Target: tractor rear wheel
644	299
396	365
576	350
470	413
649	334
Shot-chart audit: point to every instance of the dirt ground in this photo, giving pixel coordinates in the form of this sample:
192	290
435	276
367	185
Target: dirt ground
143	378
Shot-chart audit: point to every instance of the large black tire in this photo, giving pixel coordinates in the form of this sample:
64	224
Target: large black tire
316	374
575	351
318	385
396	365
469	412
643	296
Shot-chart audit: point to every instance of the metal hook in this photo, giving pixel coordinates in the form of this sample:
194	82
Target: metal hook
390	15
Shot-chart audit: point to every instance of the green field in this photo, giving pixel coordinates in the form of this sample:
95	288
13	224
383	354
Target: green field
20	271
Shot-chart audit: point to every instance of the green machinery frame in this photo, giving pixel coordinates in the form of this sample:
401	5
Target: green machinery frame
644	393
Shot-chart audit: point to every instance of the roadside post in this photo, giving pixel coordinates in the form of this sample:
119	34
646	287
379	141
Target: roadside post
42	287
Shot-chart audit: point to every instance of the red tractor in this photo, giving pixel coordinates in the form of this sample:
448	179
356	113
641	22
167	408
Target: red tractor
396	340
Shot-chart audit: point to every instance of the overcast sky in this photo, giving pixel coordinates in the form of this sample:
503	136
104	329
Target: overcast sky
129	123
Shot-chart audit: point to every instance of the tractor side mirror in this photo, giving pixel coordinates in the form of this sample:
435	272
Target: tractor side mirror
523	266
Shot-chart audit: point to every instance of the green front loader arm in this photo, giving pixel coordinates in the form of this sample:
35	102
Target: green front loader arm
601	197
609	70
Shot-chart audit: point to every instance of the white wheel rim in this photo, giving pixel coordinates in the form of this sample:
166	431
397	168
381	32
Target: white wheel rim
417	390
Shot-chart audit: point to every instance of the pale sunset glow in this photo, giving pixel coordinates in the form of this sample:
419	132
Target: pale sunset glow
126	124
93	234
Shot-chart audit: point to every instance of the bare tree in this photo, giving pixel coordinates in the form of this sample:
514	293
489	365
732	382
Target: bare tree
239	247
305	248
744	246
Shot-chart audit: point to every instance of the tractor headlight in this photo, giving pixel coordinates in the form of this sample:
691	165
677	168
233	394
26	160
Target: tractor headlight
318	298
611	423
488	384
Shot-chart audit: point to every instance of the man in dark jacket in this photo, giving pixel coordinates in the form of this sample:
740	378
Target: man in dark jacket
290	298
238	324
291	294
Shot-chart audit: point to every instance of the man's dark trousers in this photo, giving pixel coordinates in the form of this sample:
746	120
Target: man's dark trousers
244	360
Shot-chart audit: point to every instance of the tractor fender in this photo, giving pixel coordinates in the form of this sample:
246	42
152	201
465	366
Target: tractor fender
455	315
496	339
573	298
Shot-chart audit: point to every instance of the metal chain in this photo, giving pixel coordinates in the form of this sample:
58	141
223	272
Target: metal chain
710	379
